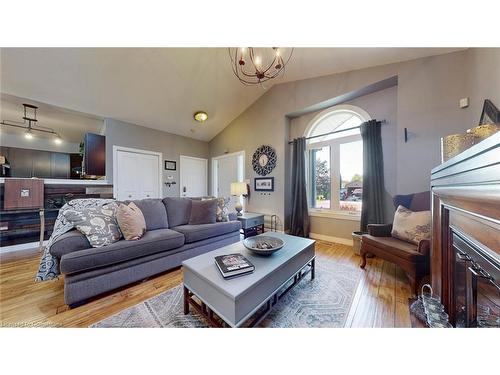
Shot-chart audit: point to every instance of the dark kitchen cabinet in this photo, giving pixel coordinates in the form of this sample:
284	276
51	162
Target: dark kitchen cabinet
41	164
95	154
27	163
21	162
60	165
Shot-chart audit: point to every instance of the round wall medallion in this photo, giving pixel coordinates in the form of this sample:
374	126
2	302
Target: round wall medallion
264	160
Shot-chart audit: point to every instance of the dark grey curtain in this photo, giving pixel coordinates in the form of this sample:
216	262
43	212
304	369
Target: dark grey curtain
372	211
300	214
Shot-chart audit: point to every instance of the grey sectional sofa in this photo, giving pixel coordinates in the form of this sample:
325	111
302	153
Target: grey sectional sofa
168	241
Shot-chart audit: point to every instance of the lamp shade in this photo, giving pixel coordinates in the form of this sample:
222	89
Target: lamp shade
238	188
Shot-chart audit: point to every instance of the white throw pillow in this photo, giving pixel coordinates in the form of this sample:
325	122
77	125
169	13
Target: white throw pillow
411	226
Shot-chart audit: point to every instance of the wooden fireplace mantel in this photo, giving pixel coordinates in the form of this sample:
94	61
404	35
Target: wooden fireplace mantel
465	200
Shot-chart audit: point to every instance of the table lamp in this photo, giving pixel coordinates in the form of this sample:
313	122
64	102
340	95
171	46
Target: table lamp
238	189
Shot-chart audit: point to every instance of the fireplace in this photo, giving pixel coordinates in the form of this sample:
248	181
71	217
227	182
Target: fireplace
476	284
465	252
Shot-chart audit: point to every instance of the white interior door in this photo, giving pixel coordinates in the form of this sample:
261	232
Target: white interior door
227	172
149	176
228	169
193	176
136	174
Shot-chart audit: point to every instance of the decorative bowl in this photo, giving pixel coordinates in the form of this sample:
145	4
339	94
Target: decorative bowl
264	245
482	132
454	144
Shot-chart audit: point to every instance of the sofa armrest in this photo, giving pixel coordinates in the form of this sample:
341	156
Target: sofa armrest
424	247
380	230
232	216
69	242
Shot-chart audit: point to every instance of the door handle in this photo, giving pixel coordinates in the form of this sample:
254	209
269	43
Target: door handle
130	196
183	189
147	195
464	257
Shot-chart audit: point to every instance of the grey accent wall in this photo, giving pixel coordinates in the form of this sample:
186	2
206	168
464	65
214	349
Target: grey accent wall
381	105
427	104
170	145
483	80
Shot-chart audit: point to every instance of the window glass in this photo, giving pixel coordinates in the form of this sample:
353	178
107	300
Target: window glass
320	178
351	176
336	121
335	175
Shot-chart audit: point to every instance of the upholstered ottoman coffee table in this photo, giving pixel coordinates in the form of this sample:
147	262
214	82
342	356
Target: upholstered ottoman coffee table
235	302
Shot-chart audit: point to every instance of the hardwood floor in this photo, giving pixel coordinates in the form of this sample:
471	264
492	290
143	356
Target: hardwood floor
381	299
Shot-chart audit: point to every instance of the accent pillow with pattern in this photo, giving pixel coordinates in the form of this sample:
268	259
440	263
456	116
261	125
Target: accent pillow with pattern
411	226
223	208
98	224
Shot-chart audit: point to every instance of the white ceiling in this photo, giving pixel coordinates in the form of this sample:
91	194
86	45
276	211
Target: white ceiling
161	88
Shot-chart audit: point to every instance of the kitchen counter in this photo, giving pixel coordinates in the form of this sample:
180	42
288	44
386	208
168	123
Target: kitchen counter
63	181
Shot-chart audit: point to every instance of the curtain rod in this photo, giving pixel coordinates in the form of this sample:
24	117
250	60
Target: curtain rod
337	131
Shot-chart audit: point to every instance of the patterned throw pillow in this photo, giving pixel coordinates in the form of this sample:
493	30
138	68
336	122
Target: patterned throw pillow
223	208
98	224
411	226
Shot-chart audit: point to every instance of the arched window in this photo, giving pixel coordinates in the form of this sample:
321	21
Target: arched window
335	149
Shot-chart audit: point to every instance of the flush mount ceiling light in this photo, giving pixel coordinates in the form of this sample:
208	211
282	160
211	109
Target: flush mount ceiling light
200	116
253	66
30	124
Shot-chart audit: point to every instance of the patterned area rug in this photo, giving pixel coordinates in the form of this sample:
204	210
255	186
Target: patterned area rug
322	302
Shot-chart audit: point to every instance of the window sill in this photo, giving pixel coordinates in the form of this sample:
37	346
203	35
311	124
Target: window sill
335	215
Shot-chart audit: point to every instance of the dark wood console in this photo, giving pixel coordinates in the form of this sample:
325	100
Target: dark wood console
465	255
18	226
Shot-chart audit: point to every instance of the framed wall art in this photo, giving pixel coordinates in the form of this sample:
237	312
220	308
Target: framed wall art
170	165
263	184
490	113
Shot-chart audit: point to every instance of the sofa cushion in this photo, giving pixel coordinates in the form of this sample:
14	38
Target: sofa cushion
395	247
154	213
178	210
203	212
131	221
69	242
194	233
152	242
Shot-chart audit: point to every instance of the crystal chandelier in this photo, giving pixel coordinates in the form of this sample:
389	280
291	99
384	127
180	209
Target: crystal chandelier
253	66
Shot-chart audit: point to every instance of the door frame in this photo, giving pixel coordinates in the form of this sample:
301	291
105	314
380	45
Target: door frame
137	151
214	170
181	172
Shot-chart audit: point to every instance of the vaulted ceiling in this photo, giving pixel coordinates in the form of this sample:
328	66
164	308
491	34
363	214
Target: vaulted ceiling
161	88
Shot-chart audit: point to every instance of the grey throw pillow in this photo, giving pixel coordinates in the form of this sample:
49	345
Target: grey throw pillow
98	224
203	212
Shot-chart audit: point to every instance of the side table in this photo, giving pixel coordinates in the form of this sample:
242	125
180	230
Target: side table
251	223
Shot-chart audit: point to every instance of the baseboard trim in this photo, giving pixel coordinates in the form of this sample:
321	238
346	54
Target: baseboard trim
21	247
323	237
